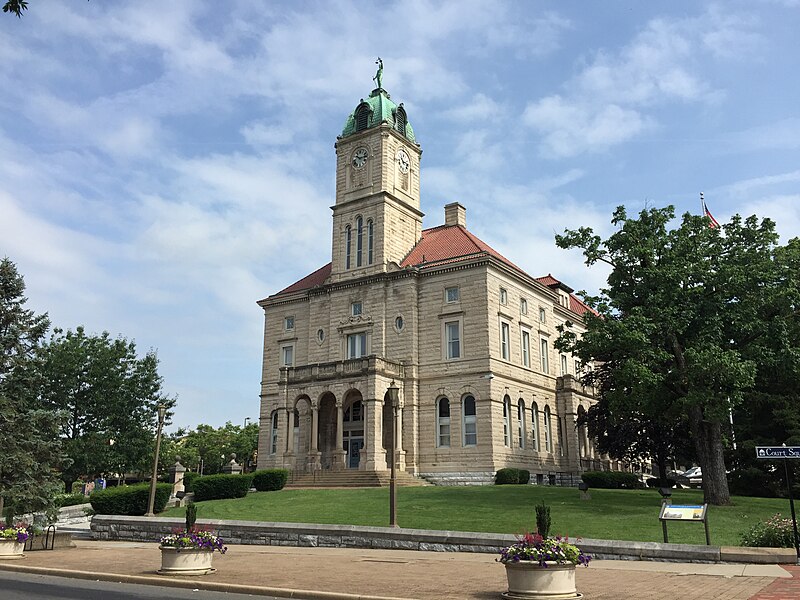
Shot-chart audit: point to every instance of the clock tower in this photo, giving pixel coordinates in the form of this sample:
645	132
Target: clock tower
376	217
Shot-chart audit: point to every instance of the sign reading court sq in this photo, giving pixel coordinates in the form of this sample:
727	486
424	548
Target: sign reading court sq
778	452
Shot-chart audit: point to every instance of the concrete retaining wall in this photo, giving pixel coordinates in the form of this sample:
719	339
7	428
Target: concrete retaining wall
113	527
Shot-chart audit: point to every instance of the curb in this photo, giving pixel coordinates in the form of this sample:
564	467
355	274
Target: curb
194	584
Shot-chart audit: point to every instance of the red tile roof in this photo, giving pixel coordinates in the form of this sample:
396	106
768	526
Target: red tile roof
443	245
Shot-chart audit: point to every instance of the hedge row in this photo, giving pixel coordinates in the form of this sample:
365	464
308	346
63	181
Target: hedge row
510	475
188	480
611	480
129	499
218	487
270	480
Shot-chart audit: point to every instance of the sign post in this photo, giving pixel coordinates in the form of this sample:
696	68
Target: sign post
784	453
694	513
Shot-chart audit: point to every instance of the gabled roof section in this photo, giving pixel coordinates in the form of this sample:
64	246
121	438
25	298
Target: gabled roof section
576	305
316	278
449	243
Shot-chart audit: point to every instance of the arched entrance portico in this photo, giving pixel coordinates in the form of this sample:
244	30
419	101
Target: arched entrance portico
353	429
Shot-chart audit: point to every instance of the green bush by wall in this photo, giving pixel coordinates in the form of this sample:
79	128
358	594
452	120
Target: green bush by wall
611	480
217	487
270	480
129	499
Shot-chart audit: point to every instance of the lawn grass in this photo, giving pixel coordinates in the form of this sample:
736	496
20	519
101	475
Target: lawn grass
610	514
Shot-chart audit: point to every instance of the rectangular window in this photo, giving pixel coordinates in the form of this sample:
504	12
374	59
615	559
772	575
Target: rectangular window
563	364
503	296
287	356
526	347
470	421
288	323
523	306
545	361
452	294
505	340
443	440
542	315
452	331
356	308
357	345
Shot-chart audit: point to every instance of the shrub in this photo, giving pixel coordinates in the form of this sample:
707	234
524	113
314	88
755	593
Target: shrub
129	499
754	482
507	476
270	480
63	500
543	519
524	476
188	480
218	487
775	532
610	480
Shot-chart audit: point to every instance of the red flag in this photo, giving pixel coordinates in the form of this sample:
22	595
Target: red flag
714	223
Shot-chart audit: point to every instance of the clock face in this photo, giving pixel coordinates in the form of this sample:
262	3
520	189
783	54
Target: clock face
403	161
360	158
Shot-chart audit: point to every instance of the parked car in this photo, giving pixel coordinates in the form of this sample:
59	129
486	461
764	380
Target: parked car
695	476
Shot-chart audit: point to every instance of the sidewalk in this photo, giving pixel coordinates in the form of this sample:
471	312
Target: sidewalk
339	573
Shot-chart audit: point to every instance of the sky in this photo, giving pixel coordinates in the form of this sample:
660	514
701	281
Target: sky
164	165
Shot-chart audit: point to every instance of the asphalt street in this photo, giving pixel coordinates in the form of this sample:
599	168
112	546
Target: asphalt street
26	586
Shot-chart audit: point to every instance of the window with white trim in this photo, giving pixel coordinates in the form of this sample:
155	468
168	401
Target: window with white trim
359	240
523	306
563	364
370	240
521	423
525	340
287	356
544	354
542	315
452	333
535	425
288	323
443	423
548	430
356	308
273	444
452	294
348	243
505	340
506	421
357	344
503	296
469	421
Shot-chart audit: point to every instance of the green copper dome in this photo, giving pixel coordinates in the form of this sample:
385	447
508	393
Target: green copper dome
377	109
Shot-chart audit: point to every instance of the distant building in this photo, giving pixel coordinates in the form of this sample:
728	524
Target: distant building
465	333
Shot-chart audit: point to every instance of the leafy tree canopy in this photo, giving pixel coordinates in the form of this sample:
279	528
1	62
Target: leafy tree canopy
694	320
210	448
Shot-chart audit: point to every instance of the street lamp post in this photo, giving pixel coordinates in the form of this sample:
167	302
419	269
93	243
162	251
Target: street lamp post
162	412
393	393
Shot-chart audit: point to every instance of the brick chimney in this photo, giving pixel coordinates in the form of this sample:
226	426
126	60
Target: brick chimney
455	214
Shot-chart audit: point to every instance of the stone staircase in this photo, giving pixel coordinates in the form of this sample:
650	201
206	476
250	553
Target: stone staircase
350	479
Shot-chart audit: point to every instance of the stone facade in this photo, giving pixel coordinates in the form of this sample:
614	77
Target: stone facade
465	335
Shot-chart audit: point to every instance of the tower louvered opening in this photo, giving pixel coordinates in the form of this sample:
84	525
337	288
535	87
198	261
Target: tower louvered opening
362	116
400	119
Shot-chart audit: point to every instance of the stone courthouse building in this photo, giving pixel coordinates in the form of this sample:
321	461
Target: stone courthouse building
464	333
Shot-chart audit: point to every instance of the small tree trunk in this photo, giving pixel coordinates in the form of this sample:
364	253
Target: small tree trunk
707	436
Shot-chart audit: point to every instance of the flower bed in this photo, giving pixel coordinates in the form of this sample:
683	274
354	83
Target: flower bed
535	548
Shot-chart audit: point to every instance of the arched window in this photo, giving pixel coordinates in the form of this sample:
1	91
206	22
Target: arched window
359	240
362	116
560	436
273	446
507	421
370	234
400	119
469	421
348	238
443	422
521	422
535	425
548	430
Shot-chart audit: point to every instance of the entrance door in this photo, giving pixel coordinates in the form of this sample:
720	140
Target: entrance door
354	452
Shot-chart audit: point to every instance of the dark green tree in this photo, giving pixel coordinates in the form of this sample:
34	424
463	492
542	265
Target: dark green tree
110	397
694	319
15	7
29	449
210	447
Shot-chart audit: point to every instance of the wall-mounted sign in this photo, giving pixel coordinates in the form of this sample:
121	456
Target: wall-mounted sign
767	452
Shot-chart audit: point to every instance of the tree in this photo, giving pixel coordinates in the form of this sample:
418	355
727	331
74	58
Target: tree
30	448
210	448
110	397
693	319
15	7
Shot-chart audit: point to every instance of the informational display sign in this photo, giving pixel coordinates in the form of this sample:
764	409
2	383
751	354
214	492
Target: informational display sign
684	512
773	452
676	512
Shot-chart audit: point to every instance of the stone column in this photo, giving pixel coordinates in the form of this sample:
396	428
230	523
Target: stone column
289	457
232	468
314	456
176	472
339	455
373	457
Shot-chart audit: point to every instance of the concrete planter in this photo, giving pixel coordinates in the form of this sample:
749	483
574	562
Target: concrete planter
186	561
10	548
528	580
